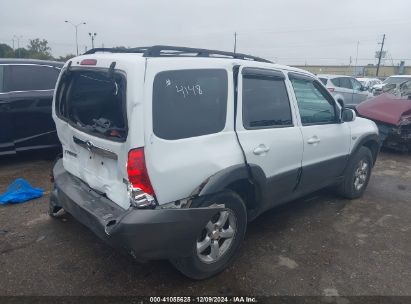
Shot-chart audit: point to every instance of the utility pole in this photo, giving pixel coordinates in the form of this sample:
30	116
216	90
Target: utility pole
380	55
92	36
235	42
356	61
18	43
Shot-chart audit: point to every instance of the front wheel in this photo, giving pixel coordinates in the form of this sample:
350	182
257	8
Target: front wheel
219	241
357	175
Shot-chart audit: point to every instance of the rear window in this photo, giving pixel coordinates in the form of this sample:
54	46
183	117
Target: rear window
94	101
188	103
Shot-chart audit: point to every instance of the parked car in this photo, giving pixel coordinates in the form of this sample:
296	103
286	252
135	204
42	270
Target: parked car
389	83
368	83
346	90
168	152
26	94
392	113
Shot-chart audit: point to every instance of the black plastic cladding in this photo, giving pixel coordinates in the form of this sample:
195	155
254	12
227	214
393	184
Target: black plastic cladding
177	51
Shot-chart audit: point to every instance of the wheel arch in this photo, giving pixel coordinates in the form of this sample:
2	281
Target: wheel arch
370	141
245	180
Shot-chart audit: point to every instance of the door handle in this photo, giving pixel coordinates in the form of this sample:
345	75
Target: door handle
313	140
261	149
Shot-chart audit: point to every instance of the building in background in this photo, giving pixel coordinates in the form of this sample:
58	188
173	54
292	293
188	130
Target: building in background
357	71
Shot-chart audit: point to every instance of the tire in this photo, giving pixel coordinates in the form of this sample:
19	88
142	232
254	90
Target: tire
357	174
200	266
55	211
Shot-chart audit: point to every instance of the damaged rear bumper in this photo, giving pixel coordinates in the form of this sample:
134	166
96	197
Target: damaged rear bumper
146	234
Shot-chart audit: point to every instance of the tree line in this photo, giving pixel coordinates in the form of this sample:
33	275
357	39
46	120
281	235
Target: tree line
36	49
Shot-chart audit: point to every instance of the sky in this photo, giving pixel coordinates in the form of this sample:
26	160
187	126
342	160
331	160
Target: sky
313	32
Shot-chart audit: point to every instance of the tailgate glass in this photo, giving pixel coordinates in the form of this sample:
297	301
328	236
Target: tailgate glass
94	102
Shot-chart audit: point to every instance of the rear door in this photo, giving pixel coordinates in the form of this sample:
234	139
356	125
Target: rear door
326	140
346	89
31	89
268	131
189	124
6	127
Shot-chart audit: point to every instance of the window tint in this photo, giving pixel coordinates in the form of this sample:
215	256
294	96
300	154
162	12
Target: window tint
265	102
188	103
30	77
345	82
314	104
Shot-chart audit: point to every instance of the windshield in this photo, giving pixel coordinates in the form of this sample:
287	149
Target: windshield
396	80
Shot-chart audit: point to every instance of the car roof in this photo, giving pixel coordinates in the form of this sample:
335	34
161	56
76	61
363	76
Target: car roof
331	76
30	61
401	76
224	62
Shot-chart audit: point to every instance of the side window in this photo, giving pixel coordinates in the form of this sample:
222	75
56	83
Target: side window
336	82
314	103
356	85
189	103
265	102
30	77
345	82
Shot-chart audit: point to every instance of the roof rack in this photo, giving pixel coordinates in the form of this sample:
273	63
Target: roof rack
177	51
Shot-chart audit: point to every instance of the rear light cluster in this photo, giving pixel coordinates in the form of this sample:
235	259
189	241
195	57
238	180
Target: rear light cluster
140	191
331	89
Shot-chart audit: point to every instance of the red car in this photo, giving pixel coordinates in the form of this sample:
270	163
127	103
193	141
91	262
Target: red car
391	111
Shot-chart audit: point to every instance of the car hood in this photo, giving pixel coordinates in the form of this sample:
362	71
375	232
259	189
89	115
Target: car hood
385	108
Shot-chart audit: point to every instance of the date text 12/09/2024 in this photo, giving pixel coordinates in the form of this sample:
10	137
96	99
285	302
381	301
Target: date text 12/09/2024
201	299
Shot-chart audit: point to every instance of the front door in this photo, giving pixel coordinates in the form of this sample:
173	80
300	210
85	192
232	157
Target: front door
326	139
267	129
359	94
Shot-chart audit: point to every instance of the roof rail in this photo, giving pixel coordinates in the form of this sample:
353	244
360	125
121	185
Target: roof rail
177	51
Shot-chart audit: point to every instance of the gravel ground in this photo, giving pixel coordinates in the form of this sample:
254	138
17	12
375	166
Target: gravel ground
318	245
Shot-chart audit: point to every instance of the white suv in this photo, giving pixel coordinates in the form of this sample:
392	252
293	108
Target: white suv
168	152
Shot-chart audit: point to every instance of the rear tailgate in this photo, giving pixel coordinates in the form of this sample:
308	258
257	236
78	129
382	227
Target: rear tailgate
92	109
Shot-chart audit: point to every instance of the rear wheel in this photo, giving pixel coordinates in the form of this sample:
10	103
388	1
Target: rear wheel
219	241
357	174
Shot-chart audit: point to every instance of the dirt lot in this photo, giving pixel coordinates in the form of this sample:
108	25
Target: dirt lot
319	245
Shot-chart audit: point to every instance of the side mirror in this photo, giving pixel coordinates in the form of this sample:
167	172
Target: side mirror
364	88
348	115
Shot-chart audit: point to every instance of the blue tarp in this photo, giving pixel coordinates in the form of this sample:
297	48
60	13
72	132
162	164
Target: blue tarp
20	191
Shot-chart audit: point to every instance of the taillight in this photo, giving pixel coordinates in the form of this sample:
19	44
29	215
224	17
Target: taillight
331	89
88	62
137	171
